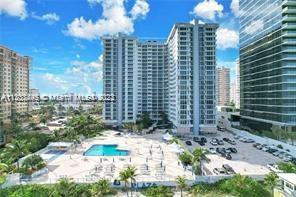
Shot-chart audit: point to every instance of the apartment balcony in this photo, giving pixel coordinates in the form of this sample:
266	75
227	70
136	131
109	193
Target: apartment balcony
289	18
289	10
289	3
288	26
289	42
289	34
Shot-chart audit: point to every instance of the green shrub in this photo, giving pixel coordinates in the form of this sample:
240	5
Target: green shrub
158	191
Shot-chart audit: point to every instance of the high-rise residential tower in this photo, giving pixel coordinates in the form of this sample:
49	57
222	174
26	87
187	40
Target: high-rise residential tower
14	81
268	64
223	86
176	77
237	86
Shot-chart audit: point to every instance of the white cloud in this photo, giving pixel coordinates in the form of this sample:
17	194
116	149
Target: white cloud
77	56
227	38
235	7
82	77
140	9
55	81
50	18
208	9
254	26
114	19
15	8
87	71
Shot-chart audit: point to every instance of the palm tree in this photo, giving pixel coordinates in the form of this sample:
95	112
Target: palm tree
124	176
131	170
128	126
101	188
199	154
32	163
64	188
181	183
16	149
271	180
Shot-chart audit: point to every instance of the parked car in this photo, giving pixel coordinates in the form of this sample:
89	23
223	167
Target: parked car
249	141
212	151
226	156
201	143
256	144
232	142
271	150
219	171
203	139
196	139
276	153
232	150
220	142
236	137
214	143
274	168
293	160
228	168
225	139
220	150
189	143
259	147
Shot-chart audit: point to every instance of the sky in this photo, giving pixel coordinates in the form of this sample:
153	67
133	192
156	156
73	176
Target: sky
63	36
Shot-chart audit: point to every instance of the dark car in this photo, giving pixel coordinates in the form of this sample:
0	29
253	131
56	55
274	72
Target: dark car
201	143
196	139
203	139
220	150
189	143
232	142
228	168
233	150
226	156
226	139
256	144
271	150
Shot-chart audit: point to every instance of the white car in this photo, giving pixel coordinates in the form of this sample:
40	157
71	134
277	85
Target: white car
212	151
274	168
219	171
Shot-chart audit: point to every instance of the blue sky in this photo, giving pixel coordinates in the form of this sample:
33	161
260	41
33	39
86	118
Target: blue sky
62	36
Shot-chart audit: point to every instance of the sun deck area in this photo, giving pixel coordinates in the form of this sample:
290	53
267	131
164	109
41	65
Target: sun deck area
154	159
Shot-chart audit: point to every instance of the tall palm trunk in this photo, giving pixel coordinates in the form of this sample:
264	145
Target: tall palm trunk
131	187
126	188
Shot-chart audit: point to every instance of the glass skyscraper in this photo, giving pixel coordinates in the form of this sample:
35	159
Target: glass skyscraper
268	64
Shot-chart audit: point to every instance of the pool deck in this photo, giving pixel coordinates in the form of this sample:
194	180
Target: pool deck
153	158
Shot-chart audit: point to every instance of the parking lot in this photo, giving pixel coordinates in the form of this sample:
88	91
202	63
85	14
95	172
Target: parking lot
247	161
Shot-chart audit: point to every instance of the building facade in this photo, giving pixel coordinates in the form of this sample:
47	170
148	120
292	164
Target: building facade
223	86
235	88
14	81
268	64
176	77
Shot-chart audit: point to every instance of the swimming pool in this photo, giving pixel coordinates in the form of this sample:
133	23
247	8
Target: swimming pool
105	150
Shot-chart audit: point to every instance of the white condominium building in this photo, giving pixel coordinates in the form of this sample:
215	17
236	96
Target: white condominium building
14	81
176	77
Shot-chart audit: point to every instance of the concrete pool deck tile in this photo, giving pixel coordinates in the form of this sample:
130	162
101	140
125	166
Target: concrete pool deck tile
78	167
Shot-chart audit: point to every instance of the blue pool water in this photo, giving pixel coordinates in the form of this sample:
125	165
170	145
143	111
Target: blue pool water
105	150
